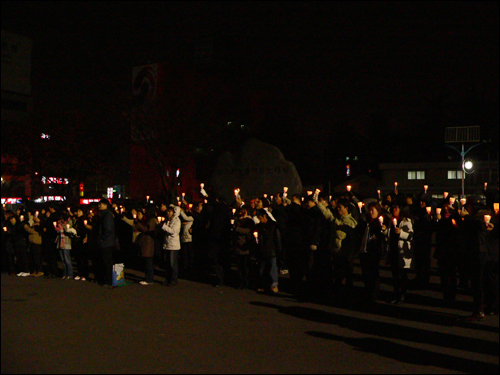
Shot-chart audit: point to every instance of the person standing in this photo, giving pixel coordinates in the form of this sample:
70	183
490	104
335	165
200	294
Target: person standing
268	247
49	249
106	241
187	221
65	233
343	240
172	244
400	255
242	242
80	245
145	241
35	240
373	247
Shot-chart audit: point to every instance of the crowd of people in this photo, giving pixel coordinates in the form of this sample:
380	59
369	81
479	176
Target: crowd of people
315	238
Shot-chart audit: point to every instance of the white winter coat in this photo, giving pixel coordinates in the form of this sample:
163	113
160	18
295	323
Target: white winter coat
187	223
172	228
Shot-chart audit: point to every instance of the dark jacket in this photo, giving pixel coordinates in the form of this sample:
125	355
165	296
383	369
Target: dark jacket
269	244
106	230
243	235
146	239
295	233
315	227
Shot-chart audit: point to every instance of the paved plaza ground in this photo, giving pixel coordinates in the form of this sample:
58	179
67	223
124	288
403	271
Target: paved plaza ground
60	326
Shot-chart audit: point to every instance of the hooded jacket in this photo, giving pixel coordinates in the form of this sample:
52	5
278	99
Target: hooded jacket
173	229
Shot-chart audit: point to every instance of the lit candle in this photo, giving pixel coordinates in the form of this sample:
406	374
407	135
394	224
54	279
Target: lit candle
453	221
378	192
428	209
395	186
122	209
202	185
463	201
425	188
67	226
309	192
55	223
395	222
134	216
487	219
317	191
349	187
190	205
147	198
302	199
485	186
381	220
438	211
21	217
256	235
232	221
5	229
445	194
285	190
183	195
360	205
234	211
205	200
178	199
272	198
496	207
85	222
36	214
265	196
236	192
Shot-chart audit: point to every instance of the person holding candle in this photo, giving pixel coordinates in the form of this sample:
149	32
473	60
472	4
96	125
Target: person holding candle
35	240
477	257
448	243
268	238
343	244
373	247
49	250
187	254
243	246
294	239
423	230
145	225
65	233
316	246
172	244
80	245
279	211
400	256
106	241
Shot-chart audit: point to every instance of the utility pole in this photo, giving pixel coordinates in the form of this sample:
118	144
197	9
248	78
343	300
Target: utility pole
464	134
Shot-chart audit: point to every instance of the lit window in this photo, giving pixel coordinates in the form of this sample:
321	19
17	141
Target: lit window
416	175
454	175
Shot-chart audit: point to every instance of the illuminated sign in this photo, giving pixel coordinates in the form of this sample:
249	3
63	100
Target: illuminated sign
55	180
11	200
89	201
110	193
52	198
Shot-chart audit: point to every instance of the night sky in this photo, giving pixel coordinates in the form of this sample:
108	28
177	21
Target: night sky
331	64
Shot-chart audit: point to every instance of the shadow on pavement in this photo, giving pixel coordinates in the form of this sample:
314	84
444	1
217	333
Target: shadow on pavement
389	330
411	355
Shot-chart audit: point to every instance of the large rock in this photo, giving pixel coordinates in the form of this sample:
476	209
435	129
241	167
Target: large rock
260	169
